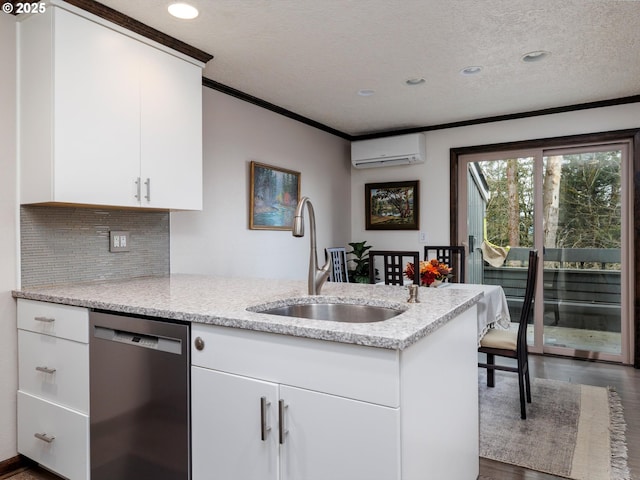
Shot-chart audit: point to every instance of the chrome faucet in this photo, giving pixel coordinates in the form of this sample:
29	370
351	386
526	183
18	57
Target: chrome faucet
317	276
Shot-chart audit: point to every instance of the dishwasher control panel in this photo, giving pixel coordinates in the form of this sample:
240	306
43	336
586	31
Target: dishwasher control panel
165	344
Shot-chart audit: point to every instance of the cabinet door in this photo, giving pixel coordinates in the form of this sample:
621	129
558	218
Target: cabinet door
337	438
171	132
226	427
96	113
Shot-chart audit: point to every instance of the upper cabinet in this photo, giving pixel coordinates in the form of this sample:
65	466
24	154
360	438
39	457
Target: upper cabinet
106	119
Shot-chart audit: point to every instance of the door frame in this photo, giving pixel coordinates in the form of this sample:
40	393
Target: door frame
632	135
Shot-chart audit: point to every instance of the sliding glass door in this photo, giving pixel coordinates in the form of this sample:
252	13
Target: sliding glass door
572	205
582	208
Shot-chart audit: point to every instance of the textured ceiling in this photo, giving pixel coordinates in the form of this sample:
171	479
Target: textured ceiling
312	56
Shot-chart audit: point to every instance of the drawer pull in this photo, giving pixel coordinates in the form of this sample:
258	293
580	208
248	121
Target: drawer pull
148	185
137	195
281	424
44	319
264	428
44	437
46	369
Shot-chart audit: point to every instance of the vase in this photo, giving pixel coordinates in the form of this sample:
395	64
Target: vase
436	283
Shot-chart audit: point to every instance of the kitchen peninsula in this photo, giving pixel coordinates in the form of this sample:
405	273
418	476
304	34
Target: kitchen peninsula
284	397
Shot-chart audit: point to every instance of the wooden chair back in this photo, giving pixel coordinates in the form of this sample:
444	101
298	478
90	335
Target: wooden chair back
393	265
525	314
452	255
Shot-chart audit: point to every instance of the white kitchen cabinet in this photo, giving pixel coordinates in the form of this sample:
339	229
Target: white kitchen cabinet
352	412
238	422
171	133
331	410
338	438
104	118
226	428
53	386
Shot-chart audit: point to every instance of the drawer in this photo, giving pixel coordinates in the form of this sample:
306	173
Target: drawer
62	321
67	453
54	368
353	371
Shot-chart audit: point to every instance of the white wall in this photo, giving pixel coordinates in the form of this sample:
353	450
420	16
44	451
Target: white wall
218	240
8	253
434	174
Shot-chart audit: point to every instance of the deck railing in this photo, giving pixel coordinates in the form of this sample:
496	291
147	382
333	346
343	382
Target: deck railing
581	286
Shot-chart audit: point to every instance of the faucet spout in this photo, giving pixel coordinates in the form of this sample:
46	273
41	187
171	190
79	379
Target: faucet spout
317	276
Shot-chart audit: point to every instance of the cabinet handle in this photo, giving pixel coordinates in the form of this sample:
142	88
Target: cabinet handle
44	437
44	319
264	429
46	369
148	185
283	431
138	187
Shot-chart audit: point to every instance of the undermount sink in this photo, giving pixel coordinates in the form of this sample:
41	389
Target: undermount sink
336	312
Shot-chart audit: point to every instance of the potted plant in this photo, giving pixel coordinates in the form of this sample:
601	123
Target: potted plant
360	272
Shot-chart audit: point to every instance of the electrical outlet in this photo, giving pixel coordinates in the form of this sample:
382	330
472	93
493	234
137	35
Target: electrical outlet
422	237
119	241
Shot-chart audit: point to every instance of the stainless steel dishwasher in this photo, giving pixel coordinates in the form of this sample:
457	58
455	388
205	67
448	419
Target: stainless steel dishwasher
139	398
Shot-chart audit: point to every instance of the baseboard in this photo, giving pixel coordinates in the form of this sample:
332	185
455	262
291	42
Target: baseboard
15	463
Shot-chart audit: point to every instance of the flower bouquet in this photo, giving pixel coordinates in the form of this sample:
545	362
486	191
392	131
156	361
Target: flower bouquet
432	272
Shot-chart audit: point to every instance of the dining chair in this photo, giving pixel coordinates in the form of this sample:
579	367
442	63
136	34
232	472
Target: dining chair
452	255
394	264
338	271
505	343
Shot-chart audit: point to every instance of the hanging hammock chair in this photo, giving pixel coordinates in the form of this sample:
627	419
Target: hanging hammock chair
493	254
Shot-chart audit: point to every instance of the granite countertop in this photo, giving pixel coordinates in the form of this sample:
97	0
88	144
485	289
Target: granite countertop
224	301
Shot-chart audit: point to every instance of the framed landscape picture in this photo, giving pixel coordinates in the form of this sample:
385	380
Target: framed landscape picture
274	195
392	206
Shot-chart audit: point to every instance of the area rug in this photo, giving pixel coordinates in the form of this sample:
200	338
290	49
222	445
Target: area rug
571	431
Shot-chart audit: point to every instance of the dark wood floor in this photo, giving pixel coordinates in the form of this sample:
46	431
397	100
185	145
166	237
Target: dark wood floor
625	380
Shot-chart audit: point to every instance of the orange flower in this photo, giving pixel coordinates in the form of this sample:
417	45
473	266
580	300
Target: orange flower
429	271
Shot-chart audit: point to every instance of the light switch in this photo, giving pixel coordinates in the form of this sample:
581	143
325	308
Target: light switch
119	241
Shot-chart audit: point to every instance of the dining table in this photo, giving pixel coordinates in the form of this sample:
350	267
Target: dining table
493	310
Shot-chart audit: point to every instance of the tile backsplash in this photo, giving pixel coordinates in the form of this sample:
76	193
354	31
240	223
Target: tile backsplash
69	244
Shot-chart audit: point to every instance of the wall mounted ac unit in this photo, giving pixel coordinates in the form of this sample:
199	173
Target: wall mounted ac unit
389	151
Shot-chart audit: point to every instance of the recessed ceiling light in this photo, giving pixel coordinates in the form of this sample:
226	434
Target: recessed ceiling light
535	56
183	10
415	81
473	70
366	92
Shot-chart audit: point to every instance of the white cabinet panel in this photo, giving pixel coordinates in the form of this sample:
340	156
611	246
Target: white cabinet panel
353	371
102	113
63	445
171	133
97	113
63	321
54	369
338	438
226	429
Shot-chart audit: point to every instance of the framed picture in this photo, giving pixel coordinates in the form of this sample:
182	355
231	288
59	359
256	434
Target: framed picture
392	206
274	194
